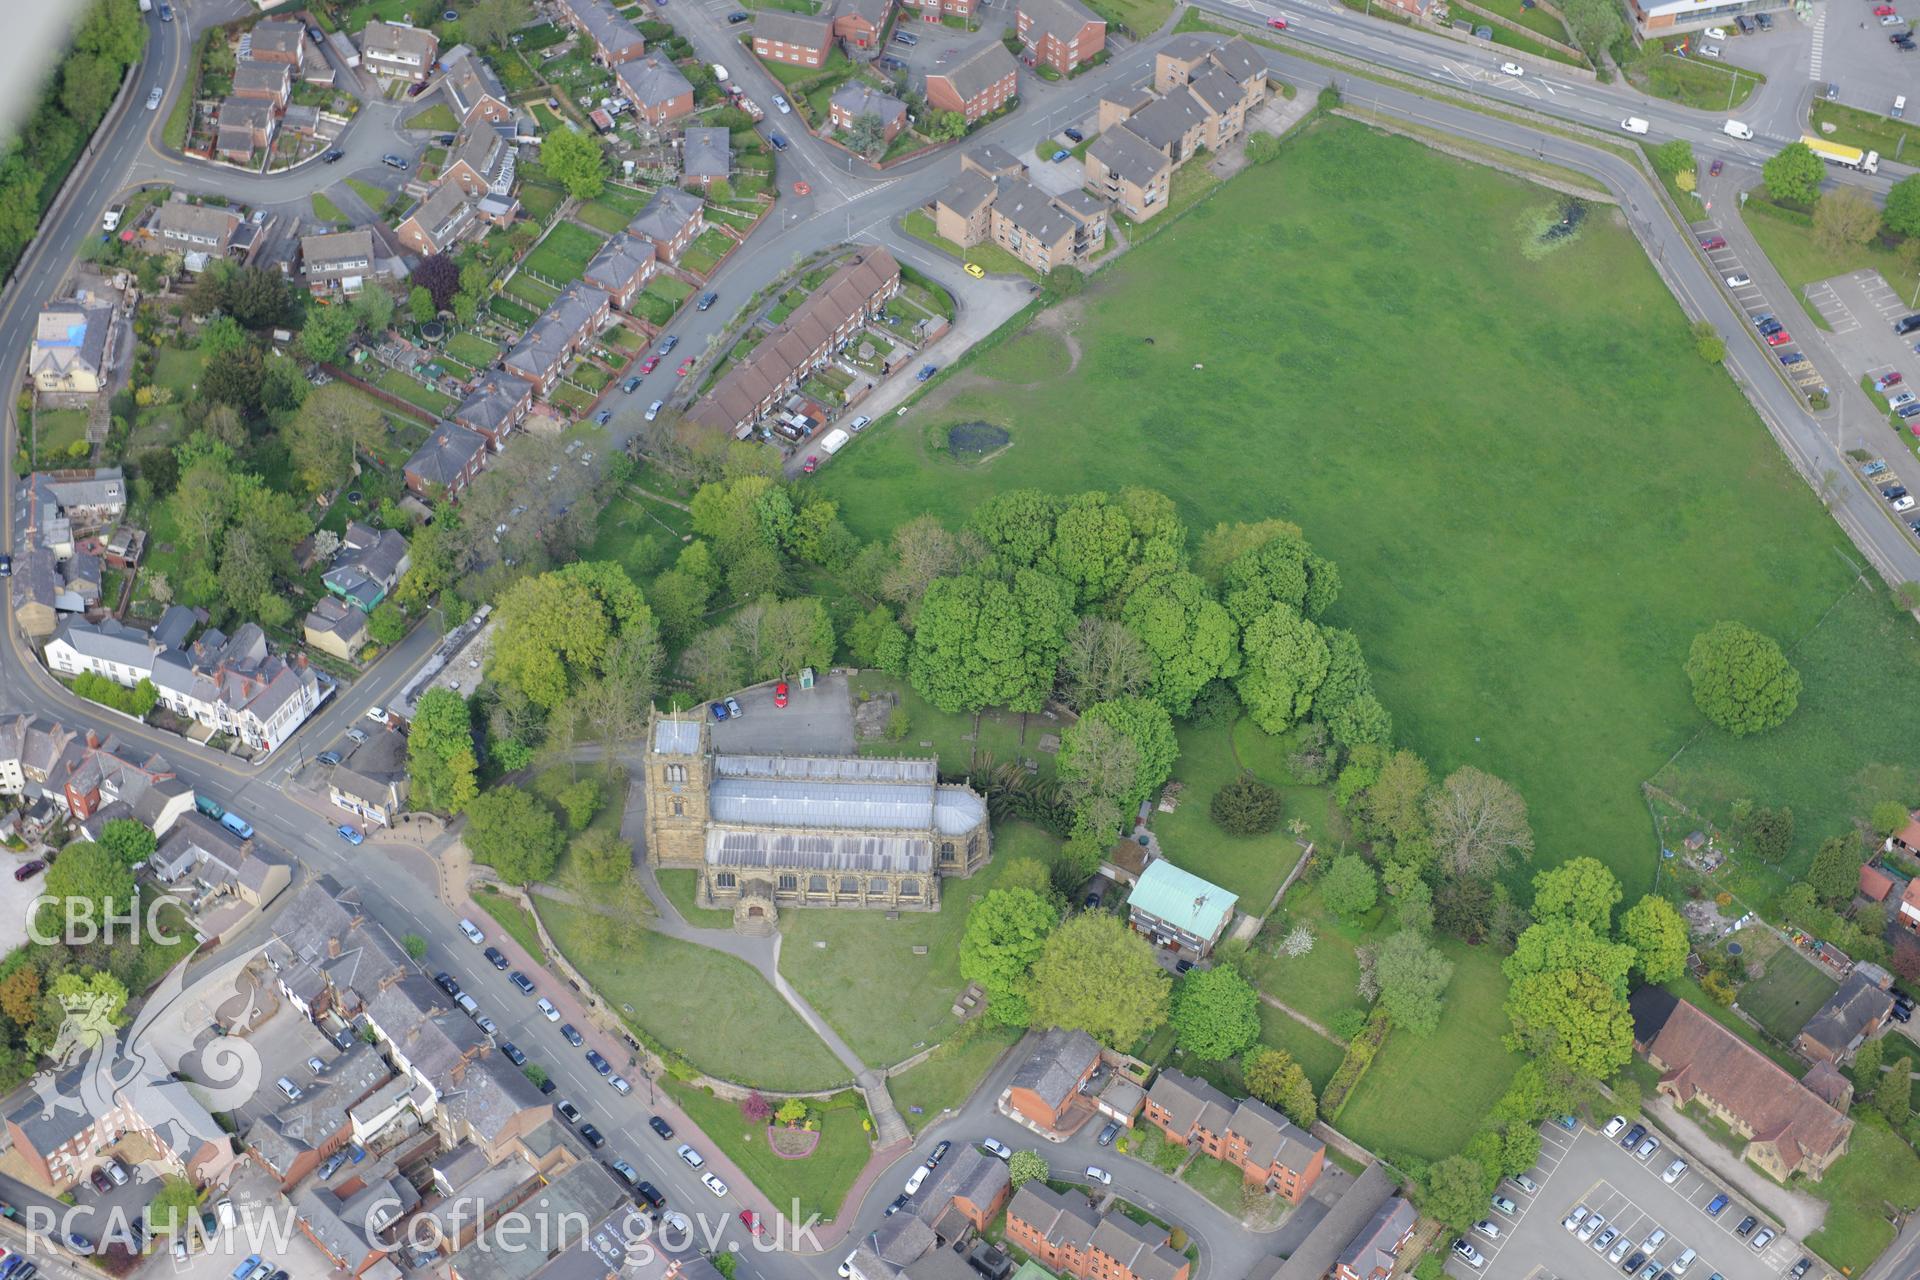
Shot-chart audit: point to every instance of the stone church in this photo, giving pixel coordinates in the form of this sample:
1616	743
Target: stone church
805	831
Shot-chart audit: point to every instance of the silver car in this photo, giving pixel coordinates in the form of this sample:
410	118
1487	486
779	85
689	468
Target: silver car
153	99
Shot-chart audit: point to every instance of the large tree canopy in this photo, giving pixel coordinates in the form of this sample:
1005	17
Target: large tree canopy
1281	570
555	630
1658	936
1286	659
1099	976
1580	890
1191	637
1006	932
1216	1013
511	831
985	642
1741	680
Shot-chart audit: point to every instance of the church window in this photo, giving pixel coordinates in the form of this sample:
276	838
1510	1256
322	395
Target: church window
850	884
679	809
909	888
789	883
877	885
676	773
816	884
724	880
946	851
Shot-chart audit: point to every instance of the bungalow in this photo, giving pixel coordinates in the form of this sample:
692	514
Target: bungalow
614	40
657	89
447	463
440	221
473	90
624	265
368	564
856	99
276	40
75	343
1054	1074
706	154
569	320
498	403
977	85
1178	910
1062	34
828	319
268	81
1789	1129
671	220
481	162
1855	1011
242	127
797	39
403	52
337	264
335	627
186	229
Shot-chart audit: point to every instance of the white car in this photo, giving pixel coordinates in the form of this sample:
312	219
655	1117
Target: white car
1655	1238
1513	69
1614	1126
473	933
1468	1254
713	1184
1716	33
1904	398
153	99
1504	1205
378	715
781	104
919	1176
653	411
545	1006
1674	1170
845	1268
1574	1219
1619	1249
1591	1227
1488	1228
1903	503
1739	281
1099	1175
1526	1184
996	1148
1709	50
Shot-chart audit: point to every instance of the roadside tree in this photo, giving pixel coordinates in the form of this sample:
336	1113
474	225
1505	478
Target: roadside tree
1794	176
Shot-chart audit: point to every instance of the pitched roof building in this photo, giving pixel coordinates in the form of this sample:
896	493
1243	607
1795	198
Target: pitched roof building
1788	1128
975	85
234	685
74	345
368	564
482	162
1064	1234
569	320
338	263
614	39
446	463
797	39
403	52
657	89
1179	911
1372	1253
855	99
623	266
183	228
1851	1014
1061	1061
335	627
498	403
706	154
1270	1150
1062	34
473	90
671	220
440	221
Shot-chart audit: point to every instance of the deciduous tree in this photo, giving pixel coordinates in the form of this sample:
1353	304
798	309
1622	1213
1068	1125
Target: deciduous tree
1455	1191
129	840
1103	659
1099	976
1246	807
514	833
1413	975
1190	635
325	335
1741	680
1216	1013
1902	213
1285	662
1835	873
982	642
575	160
1025	1166
1350	887
1479	823
333	422
1794	175
1277	1080
173	1207
1005	935
1893	1096
1845	219
1658	937
438	275
441	765
1580	890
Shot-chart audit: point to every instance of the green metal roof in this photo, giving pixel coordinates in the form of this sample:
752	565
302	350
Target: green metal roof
1182	899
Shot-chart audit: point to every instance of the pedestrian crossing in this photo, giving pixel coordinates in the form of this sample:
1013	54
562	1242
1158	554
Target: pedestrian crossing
1815	60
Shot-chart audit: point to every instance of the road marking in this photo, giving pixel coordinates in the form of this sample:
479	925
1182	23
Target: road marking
1819	43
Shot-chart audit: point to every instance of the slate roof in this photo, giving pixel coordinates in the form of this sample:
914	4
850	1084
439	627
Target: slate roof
795	30
1848	1013
969	1174
184	220
1129	155
110	641
1167	119
787	850
967	194
652	81
1141	1249
484	151
560	328
446	453
1216	89
1060	1219
71	335
1061	19
1317	1254
1057	1064
1239	59
607	27
996	159
494	402
1190	1102
469	78
367	564
666	215
1182	899
978	72
338	254
1032	211
1371	1251
707	153
1271	1138
262	77
676	737
769	802
275	35
858	98
444	215
386	39
622	257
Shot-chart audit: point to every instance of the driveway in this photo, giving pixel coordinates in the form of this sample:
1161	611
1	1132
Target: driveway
815	722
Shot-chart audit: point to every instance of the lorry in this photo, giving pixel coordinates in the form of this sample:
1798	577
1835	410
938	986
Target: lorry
1848	157
833	440
1735	129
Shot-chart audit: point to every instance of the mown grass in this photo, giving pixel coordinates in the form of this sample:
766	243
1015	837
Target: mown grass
1787	994
1521	595
922	1093
797	1188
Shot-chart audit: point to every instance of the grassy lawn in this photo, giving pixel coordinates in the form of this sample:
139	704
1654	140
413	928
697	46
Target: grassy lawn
55	430
1687	989
1693	82
681	885
1426	1097
375	197
540	199
675	989
1864	129
1879	1170
1787	994
1322	982
325	209
565	253
512	312
178	370
512	917
435	119
961	743
990	256
1218	1181
924	1092
704	254
671	288
1251	866
414	391
885	1001
1801	259
535	293
797	1188
1143	17
1470	630
614	209
1534	19
474	350
1318	1056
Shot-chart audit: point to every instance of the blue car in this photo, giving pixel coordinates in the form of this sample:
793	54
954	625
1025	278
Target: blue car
1717	1205
348	834
597	1062
719	711
1058	156
926	371
246	1268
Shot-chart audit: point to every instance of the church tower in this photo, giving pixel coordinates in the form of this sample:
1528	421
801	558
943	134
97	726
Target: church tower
679	769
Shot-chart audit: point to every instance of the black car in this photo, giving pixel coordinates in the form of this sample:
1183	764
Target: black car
1763	21
899	1203
328	757
592	1137
166	11
511	1052
445	982
1893	492
393	161
1747	1224
332	156
738	16
495	957
1903	1007
660	1127
572	1034
1633	1136
630	384
1108	1134
1075	135
521	982
779	141
1632	1264
568	1112
649	1195
598	1063
707	299
1801	1268
547	1087
940	1150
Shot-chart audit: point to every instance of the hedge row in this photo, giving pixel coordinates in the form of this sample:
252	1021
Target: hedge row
1360	1055
137	701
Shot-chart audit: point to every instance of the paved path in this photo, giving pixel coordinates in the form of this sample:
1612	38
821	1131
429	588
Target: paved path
1800	1213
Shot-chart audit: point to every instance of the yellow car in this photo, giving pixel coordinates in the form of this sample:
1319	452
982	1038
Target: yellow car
977	271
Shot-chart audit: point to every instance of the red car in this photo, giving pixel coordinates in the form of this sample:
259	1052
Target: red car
100	1182
1891	380
753	1222
28	870
1779	339
1278	24
813	464
649	364
684	366
780	694
1714	242
1881	11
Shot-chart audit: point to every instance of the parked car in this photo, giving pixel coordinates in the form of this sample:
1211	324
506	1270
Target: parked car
1619	1250
1761	1239
1633	1136
996	1148
738	17
632	384
906	38
780	105
99	1179
1718	1205
1504	1205
926	371
1711	243
653	410
1632	1264
1468	1254
522	982
1614	1126
571	1034
1604	1239
898	1203
686	366
328	757
1800	1268
1074	135
648	365
1591	1227
1779	339
780	694
1096	1174
1647	1148
545	1006
713	1184
592	1137
496	957
1112	1131
939	1152
394	162
28	870
1747	1224
1673	1172
812	464
1739	281
707	299
660	1127
512	1053
918	1176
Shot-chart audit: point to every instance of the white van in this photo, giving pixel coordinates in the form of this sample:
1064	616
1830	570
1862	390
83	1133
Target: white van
833	440
1734	129
719	73
1899	106
466	1003
473	935
1634	124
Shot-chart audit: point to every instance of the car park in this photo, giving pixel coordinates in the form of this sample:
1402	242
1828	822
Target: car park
1655	1238
1619	1250
1632	1264
1717	1205
733	708
1526	1184
1468	1254
1747	1224
1632	1137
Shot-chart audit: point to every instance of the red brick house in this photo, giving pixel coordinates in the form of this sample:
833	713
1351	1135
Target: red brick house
975	86
793	38
276	40
656	88
854	99
671	220
859	23
1269	1149
934	10
447	462
614	39
1052	1076
1371	1254
622	268
1063	1234
1062	34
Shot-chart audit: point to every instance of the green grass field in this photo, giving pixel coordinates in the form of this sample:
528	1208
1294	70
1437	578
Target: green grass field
1251	866
565	253
885	1001
325	209
1506	626
1318	1056
55	432
1878	1170
434	119
1868	130
1322	982
710	1007
681	885
797	1188
1425	1097
1801	259
475	350
512	917
948	1077
1787	994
